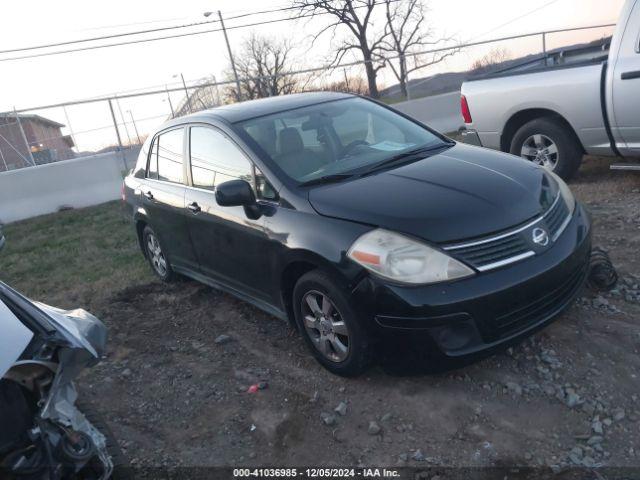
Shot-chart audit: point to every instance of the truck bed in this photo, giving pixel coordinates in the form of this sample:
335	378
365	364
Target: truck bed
571	90
575	56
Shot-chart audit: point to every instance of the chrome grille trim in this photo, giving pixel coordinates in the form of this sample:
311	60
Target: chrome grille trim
492	239
562	227
507	234
507	261
501	246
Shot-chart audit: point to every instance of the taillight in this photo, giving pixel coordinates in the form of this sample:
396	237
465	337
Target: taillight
464	108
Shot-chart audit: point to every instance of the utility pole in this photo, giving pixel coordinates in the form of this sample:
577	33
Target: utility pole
134	126
115	124
173	114
24	137
233	64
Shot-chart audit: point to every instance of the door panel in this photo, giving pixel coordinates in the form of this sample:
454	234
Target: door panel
626	86
229	246
163	193
166	214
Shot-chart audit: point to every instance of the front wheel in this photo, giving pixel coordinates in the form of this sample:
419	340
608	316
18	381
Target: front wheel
330	325
547	142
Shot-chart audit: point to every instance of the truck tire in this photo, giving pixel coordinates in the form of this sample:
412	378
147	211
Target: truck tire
548	142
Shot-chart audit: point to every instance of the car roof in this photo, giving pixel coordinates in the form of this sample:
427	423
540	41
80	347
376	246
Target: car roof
238	112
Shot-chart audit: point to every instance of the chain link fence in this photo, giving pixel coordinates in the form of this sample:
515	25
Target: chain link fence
118	124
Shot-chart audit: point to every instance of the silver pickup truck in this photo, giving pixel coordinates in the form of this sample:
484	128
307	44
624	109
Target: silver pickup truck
558	107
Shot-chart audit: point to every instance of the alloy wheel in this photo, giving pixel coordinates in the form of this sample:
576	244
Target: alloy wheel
325	326
541	150
156	256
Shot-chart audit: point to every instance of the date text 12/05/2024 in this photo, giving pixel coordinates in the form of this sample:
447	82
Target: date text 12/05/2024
336	473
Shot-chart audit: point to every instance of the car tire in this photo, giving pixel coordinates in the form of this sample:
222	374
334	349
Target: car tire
334	327
121	468
537	140
156	255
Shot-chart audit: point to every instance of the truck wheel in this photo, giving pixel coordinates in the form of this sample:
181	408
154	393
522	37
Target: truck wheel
547	142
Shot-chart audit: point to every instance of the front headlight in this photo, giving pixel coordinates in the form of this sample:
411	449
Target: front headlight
566	193
402	259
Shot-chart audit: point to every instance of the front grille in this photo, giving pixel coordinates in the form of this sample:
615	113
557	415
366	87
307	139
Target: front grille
522	316
556	217
483	255
503	249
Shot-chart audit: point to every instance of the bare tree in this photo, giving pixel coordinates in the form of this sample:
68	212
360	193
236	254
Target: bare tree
355	17
357	85
262	65
405	35
496	56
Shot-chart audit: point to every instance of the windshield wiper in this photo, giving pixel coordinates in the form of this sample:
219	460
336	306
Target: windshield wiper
402	156
334	177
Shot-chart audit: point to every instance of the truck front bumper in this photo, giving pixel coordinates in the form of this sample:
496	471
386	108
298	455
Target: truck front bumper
471	137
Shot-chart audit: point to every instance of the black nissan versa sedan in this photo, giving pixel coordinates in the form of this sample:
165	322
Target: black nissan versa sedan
358	223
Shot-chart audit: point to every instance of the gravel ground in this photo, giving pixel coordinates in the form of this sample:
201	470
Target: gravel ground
182	357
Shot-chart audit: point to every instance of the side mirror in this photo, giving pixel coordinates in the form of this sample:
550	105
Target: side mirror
235	193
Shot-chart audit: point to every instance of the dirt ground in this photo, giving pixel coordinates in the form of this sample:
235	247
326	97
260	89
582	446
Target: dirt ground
176	396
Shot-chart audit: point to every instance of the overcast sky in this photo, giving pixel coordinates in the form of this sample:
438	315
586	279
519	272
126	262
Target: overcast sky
46	80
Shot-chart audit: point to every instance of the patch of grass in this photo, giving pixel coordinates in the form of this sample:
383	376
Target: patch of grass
71	257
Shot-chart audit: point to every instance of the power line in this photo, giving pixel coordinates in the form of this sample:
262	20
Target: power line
140	32
144	40
514	19
147	22
153	39
106	37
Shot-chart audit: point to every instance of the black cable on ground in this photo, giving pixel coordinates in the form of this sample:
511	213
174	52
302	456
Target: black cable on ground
602	274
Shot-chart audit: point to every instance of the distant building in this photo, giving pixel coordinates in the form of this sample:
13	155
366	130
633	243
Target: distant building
44	137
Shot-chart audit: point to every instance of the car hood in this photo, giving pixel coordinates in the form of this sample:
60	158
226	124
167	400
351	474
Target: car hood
76	330
80	328
461	193
14	339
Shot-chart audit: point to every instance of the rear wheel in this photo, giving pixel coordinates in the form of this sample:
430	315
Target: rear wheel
156	255
330	325
547	142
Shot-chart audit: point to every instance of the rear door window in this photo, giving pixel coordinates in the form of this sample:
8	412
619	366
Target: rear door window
170	158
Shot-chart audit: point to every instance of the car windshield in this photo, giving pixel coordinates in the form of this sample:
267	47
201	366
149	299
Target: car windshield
337	138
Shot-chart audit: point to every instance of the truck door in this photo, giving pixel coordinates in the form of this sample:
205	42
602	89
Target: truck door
625	81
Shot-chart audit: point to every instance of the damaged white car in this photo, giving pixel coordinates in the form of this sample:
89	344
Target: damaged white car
44	432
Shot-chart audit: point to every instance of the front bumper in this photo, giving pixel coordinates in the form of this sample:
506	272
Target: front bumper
491	308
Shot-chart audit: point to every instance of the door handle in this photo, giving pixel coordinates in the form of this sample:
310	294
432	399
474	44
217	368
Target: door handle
194	207
148	195
630	75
